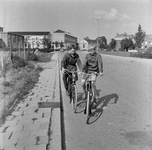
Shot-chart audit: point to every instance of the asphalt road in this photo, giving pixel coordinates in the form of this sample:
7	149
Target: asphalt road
123	118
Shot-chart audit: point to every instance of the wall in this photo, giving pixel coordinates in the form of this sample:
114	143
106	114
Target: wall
70	39
6	39
59	37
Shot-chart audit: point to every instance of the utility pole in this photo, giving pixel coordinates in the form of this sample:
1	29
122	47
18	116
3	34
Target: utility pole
98	33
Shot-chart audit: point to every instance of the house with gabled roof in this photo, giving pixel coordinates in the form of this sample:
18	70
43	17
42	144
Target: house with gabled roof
119	37
87	43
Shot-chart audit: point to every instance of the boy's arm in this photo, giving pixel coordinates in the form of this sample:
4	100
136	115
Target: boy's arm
84	64
63	61
79	63
100	63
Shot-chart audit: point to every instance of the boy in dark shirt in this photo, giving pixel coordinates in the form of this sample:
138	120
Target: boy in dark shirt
69	62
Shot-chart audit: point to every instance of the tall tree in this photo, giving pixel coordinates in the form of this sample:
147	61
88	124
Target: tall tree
61	44
112	44
46	42
102	42
139	37
127	44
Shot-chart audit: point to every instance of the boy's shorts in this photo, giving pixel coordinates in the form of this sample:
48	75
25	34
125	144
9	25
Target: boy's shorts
86	76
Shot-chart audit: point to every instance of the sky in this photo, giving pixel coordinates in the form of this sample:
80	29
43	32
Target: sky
75	16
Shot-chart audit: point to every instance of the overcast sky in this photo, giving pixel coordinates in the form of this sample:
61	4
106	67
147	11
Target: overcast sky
75	16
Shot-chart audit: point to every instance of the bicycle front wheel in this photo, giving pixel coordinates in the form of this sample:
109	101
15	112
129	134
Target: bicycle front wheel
88	106
74	98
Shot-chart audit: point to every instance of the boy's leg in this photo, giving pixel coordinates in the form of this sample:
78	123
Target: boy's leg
65	81
83	82
94	94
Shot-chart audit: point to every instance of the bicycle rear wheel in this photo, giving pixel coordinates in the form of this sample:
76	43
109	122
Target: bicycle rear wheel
74	98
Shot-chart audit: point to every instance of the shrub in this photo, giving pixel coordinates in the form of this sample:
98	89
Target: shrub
19	62
39	69
33	57
6	67
44	57
143	53
6	83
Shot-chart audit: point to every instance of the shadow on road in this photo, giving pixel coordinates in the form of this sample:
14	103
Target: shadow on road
101	103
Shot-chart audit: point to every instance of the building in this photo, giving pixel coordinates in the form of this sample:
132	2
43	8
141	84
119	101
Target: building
119	37
64	37
1	29
87	43
83	45
12	40
147	42
34	38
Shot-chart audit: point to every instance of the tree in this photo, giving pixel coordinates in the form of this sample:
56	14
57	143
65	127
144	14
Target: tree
56	44
61	44
77	46
112	44
46	42
102	42
139	37
127	44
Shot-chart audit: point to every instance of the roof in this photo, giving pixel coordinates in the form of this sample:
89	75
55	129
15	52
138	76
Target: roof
30	33
59	31
122	36
83	41
90	41
66	33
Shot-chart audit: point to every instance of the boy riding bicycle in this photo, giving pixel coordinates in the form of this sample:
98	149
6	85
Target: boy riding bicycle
70	62
92	64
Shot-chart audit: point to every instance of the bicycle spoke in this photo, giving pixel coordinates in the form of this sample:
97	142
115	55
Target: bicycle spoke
87	106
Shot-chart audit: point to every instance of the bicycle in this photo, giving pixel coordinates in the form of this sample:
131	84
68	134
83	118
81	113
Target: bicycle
90	94
72	89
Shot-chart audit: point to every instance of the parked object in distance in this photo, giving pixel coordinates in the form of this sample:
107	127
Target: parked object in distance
133	50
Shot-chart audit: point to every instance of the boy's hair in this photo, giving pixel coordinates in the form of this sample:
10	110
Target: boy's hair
92	48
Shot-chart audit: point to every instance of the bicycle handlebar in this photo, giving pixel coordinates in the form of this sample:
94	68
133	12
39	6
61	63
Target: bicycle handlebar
71	71
95	73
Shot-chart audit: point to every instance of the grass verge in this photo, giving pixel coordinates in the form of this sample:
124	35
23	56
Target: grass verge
20	77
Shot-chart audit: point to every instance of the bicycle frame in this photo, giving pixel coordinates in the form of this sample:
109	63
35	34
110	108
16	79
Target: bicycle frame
72	89
73	81
89	86
90	94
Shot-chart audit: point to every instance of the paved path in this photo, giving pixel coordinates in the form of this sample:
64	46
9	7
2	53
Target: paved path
35	123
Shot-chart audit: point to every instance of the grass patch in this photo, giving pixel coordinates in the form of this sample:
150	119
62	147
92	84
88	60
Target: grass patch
16	85
40	57
20	77
141	53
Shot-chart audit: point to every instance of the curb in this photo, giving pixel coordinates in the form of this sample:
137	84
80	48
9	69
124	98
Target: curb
56	143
